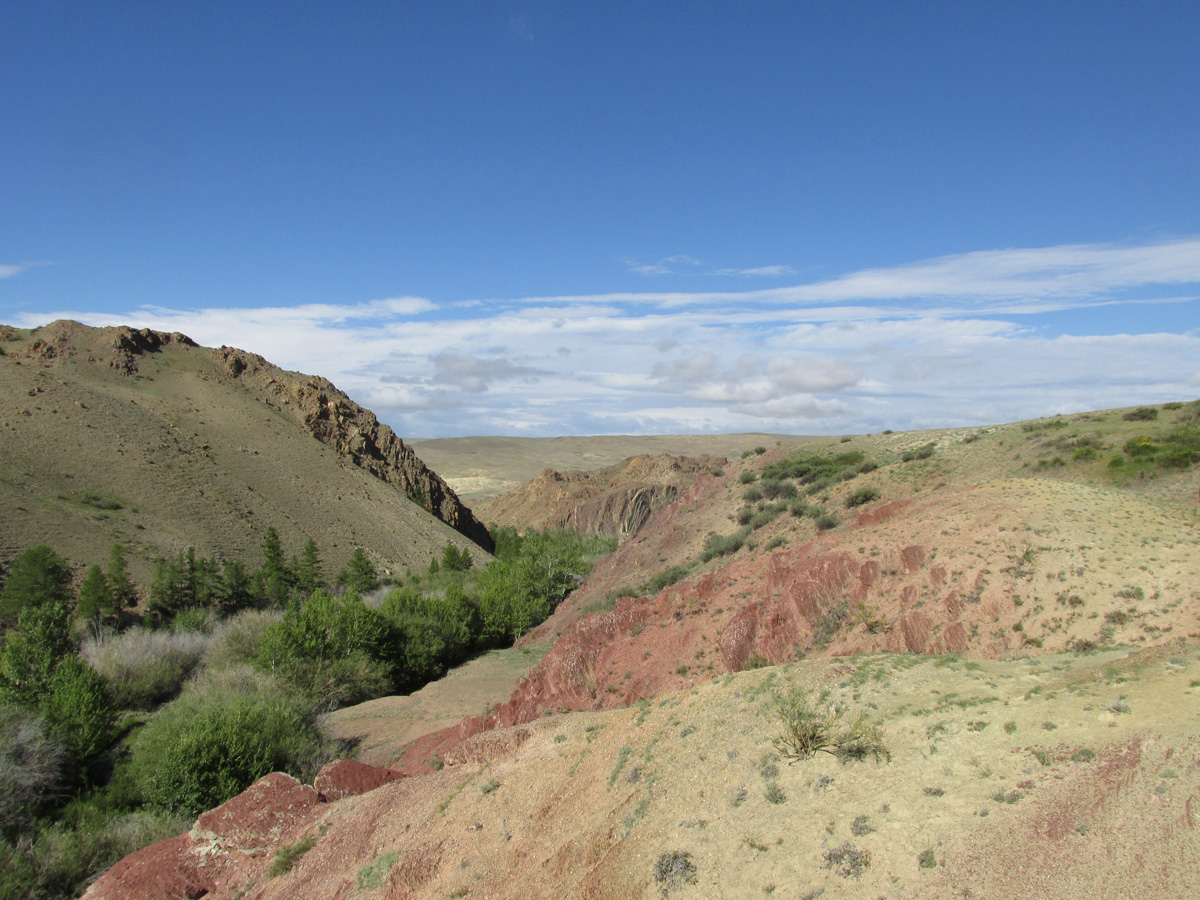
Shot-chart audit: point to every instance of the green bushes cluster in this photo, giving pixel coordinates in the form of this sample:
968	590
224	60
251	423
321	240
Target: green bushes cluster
221	735
814	469
270	652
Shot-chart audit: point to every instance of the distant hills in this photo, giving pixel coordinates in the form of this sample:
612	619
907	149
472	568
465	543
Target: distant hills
118	435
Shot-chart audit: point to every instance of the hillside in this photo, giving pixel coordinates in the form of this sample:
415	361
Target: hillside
1017	613
617	500
115	435
482	468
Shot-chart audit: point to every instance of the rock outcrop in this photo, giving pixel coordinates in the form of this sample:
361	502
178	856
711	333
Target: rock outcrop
337	421
616	501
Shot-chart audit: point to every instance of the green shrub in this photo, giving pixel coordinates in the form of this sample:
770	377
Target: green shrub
79	710
923	452
1140	447
773	489
826	521
752	494
335	648
861	496
287	857
1141	414
766	516
666	578
62	859
723	545
530	578
31	654
223	733
747	477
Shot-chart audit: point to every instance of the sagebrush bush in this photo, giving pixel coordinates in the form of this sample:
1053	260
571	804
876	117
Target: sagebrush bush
234	641
143	668
34	768
673	869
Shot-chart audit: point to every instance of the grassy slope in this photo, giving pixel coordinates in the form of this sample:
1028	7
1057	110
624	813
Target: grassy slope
191	458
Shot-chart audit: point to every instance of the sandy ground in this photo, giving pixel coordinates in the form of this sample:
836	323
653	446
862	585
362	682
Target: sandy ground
379	729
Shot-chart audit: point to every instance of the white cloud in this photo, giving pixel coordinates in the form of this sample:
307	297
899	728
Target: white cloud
9	271
472	374
954	340
759	272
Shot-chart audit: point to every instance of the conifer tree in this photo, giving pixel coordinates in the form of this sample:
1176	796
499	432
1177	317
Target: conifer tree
37	576
308	570
359	574
121	591
95	596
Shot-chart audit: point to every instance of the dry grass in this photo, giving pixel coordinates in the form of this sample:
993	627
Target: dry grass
144	668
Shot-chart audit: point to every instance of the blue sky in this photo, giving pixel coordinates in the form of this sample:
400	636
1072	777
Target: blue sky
567	218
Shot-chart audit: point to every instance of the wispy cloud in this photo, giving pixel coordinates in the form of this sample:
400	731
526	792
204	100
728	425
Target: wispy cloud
1065	275
9	271
670	265
759	272
519	29
682	264
955	340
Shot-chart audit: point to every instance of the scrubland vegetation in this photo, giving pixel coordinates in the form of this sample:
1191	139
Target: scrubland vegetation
121	720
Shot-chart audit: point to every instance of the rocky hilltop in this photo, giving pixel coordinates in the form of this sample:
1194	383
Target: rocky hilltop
146	438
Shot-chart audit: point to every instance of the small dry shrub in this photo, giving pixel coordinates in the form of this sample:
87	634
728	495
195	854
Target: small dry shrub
847	860
806	731
673	869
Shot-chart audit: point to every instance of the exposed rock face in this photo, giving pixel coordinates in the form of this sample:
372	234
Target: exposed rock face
616	501
337	421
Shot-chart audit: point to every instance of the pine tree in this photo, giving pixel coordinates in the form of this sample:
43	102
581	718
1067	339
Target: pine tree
359	574
38	576
308	570
95	596
121	590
